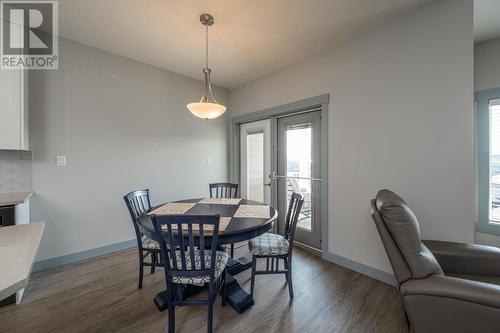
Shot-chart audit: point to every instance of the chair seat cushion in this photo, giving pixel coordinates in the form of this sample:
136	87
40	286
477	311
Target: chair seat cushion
268	244
221	259
149	244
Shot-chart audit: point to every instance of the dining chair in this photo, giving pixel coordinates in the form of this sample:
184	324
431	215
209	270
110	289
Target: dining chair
224	190
188	250
138	202
274	248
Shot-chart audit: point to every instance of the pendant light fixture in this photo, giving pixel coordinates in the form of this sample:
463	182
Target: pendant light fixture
207	107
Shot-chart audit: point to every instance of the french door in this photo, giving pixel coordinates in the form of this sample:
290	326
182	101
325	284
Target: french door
295	155
299	170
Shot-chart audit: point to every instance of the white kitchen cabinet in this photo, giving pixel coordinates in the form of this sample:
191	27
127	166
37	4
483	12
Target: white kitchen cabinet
14	130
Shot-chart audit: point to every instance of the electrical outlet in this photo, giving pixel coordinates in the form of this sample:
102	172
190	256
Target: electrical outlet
61	160
209	161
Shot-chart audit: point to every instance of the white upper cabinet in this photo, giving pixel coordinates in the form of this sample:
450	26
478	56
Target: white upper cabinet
14	128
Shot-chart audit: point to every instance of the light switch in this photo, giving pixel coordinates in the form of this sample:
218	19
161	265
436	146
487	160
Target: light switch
61	160
209	161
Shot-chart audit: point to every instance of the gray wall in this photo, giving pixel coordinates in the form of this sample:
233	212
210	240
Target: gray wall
487	65
401	118
123	125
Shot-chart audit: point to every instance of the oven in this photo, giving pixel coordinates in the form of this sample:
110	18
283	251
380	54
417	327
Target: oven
7	216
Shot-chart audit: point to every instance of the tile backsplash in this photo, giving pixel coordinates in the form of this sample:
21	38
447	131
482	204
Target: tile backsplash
16	171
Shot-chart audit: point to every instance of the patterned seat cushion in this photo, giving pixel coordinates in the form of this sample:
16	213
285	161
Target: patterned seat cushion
221	259
149	244
268	244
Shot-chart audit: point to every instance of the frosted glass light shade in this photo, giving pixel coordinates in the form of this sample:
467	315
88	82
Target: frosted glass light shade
206	110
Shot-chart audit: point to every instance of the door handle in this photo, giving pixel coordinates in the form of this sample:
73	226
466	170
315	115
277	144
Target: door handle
274	176
308	178
268	184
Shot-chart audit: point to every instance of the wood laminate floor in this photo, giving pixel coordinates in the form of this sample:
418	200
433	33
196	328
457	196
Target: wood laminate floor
101	295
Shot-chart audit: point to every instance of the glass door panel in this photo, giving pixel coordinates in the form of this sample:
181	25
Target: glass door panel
255	160
299	169
255	166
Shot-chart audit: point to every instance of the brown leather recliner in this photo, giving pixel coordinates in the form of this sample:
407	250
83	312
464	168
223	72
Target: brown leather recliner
445	286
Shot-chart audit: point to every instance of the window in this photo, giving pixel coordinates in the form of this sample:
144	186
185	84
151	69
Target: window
494	205
488	161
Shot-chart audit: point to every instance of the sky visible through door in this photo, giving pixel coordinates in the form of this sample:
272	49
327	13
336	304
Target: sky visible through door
299	164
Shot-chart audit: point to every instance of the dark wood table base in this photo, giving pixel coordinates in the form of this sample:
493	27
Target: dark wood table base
235	266
236	297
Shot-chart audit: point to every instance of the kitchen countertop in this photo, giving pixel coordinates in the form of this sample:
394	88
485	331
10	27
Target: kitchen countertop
18	247
14	198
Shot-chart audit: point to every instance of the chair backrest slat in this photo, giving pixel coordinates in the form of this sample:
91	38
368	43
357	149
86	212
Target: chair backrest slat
172	245
182	246
213	246
223	190
292	216
191	246
202	245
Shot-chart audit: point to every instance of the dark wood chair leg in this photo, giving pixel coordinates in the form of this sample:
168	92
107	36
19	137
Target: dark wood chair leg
210	315
171	319
224	290
153	261
141	268
232	250
285	264
252	281
289	277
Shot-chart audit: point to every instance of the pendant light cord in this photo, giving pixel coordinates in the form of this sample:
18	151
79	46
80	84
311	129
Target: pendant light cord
207	70
206	46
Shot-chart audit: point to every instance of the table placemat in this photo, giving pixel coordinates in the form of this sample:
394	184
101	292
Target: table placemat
223	223
220	201
173	208
252	211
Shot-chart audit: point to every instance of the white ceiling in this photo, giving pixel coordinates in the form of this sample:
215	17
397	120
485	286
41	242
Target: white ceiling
486	20
250	38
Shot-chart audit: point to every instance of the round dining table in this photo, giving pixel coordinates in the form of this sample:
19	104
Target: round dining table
238	223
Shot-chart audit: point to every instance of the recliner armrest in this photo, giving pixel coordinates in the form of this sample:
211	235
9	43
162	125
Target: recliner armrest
462	258
460	289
